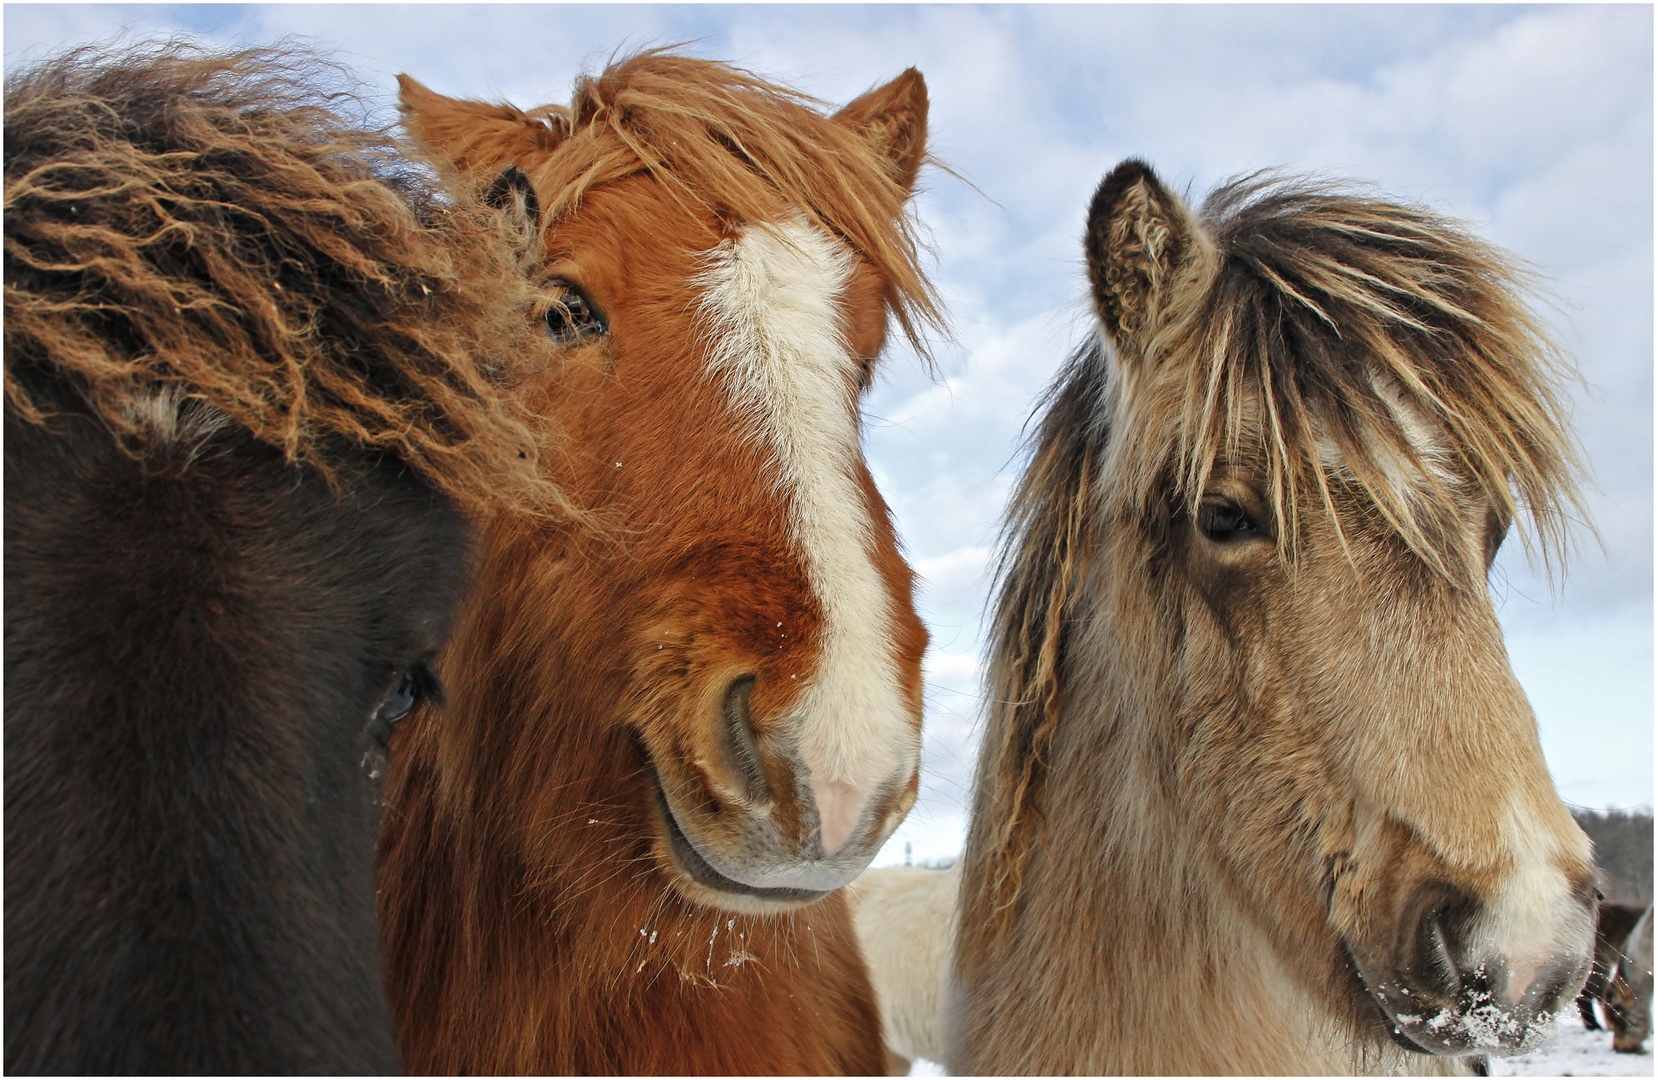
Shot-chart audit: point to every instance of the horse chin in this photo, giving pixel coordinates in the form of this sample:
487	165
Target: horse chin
1478	1027
1368	1011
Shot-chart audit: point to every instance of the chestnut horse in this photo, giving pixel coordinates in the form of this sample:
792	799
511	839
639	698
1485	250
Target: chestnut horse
1255	755
675	733
250	390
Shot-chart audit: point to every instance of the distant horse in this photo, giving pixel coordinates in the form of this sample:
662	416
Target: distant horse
1255	756
247	401
1628	997
1611	930
905	920
672	735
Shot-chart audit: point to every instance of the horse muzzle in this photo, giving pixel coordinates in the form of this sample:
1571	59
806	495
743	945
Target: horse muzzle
748	827
1444	993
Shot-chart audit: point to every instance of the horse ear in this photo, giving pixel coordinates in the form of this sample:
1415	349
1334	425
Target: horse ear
1140	237
471	136
893	119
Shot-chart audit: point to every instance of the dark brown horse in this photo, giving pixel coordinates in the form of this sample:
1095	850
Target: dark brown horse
246	405
673	736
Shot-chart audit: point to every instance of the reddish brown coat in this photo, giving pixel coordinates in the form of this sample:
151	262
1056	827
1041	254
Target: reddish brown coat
535	920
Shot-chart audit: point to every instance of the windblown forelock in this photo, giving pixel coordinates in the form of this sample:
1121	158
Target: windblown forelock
721	139
1380	331
211	226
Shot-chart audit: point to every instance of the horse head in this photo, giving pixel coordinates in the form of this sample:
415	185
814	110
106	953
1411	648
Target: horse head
717	264
1331	400
1628	996
254	383
1246	659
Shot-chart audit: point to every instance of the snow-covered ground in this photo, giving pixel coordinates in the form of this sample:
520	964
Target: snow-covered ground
1573	1051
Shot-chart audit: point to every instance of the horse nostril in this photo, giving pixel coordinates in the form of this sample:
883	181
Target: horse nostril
741	749
1435	952
1434	961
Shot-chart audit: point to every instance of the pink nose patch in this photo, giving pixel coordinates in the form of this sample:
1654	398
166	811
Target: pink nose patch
839	805
1522	972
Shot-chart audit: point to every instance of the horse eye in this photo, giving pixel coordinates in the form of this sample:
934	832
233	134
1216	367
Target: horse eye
416	684
1222	520
865	375
572	317
403	698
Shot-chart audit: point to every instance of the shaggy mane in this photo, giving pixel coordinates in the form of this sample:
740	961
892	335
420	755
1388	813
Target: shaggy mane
187	226
1325	304
722	138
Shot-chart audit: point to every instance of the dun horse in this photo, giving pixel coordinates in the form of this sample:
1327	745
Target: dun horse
672	736
245	407
1255	755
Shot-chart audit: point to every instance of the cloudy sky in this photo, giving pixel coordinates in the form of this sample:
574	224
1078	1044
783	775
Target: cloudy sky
1533	124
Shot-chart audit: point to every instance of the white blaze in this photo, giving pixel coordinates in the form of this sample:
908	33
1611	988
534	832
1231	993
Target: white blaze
771	304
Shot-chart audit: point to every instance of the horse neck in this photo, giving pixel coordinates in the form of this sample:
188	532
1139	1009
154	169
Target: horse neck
529	762
480	803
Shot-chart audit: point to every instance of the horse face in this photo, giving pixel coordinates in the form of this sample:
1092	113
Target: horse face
775	656
749	578
1338	720
1627	1028
206	650
1352	719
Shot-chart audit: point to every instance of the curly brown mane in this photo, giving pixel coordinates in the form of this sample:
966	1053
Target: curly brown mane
210	227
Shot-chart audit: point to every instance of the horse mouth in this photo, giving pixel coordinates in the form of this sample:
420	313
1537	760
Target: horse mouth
695	866
1369	1010
1469	1022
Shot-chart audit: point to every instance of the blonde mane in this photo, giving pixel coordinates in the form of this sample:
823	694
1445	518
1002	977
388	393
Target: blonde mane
700	127
211	230
1336	320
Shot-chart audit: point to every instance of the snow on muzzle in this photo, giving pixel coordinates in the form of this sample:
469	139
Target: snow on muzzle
1465	977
